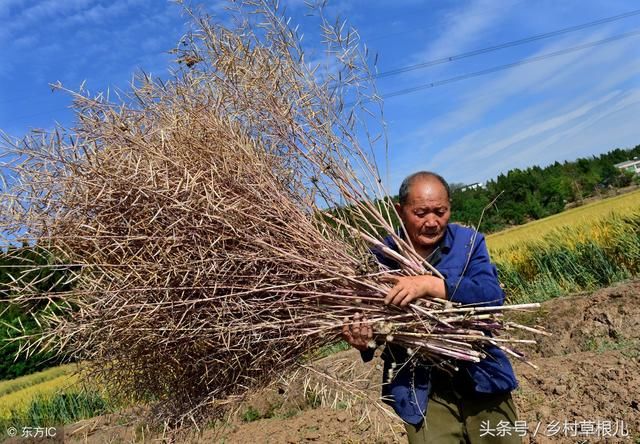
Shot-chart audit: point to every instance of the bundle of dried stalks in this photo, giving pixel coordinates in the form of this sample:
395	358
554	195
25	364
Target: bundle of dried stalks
192	224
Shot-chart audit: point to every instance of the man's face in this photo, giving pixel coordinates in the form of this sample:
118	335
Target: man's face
426	213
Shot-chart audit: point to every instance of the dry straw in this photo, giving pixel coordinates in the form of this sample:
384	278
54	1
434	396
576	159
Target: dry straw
214	229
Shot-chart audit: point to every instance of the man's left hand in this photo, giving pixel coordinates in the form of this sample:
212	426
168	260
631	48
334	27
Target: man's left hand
409	288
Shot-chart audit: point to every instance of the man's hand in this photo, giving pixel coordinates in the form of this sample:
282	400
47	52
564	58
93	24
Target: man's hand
409	288
358	333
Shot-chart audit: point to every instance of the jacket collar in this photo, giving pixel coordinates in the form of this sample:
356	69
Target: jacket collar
447	241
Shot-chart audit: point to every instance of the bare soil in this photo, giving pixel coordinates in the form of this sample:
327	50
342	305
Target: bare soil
588	375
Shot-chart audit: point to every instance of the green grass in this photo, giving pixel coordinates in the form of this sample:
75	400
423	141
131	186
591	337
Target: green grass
49	398
251	414
629	347
56	410
19	400
582	249
331	349
313	398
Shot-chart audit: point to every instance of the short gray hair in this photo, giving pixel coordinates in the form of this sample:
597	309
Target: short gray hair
403	194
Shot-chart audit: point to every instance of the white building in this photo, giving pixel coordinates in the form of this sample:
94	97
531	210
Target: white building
632	166
473	186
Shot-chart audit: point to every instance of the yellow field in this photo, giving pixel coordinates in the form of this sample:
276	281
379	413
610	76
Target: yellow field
587	214
21	398
13	385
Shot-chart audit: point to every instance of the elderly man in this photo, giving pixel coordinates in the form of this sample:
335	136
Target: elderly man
470	405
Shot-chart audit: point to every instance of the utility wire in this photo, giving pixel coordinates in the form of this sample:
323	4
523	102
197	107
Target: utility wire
452	58
510	65
510	44
481	72
477	73
484	50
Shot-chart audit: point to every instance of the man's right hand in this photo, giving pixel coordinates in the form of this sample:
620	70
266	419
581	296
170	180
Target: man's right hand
358	333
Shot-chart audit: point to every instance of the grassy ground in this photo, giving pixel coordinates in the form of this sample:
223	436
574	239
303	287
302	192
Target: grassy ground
593	212
48	398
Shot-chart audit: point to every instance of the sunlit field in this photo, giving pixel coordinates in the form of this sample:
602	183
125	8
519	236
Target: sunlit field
49	398
14	385
582	249
33	385
590	213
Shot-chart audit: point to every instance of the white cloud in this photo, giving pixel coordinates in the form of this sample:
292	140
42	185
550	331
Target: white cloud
96	13
462	28
530	115
555	122
534	78
486	152
25	41
571	140
57	14
32	16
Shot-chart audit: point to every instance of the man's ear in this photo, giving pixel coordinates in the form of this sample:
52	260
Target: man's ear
398	208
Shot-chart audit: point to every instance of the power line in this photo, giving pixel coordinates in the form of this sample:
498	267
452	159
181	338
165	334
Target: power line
452	58
489	70
509	65
484	50
413	31
510	44
484	71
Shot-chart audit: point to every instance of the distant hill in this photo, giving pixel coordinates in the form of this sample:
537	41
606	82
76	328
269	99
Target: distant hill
537	192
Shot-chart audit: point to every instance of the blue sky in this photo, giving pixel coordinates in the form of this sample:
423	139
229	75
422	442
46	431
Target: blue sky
582	103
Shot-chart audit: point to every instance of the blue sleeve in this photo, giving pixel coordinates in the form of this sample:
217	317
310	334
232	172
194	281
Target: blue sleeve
479	283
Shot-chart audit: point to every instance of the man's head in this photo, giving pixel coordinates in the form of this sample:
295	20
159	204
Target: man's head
425	209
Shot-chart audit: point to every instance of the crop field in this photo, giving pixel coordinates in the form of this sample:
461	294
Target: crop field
49	398
583	249
28	387
14	385
593	212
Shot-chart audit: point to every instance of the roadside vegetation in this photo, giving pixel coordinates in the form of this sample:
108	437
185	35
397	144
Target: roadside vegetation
41	409
48	398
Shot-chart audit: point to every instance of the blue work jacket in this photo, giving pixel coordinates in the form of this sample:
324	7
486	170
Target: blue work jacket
407	390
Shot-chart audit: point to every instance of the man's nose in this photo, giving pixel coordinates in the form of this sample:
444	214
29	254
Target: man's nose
431	221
